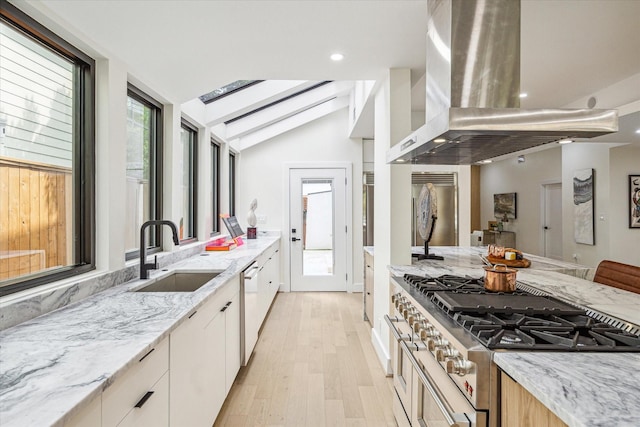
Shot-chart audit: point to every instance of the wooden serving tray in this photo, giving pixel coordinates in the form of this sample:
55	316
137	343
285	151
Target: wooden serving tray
518	263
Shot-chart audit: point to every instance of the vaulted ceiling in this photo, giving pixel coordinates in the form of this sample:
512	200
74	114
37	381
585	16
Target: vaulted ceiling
184	49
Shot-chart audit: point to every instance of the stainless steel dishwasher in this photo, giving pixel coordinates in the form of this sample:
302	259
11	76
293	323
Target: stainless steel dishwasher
248	311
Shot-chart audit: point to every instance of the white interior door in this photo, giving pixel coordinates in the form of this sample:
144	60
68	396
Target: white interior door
317	229
552	222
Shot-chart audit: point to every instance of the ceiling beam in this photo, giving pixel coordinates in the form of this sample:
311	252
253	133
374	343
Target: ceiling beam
290	123
268	116
250	98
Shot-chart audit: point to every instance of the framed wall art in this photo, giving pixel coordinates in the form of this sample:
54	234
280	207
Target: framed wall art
504	204
634	201
583	205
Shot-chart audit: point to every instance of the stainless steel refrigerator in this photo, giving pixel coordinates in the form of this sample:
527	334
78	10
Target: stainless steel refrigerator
445	232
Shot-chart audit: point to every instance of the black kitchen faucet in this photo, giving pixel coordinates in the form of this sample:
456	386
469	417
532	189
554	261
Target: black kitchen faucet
144	267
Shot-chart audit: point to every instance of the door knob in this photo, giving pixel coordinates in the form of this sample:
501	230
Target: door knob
294	239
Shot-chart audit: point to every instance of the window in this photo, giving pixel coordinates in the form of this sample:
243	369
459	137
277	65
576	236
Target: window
232	184
189	141
228	89
215	187
144	170
47	209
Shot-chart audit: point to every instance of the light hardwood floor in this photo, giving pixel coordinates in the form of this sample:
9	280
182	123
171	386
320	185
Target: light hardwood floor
313	365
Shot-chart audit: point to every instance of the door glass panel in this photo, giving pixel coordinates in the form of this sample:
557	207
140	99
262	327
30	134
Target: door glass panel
317	227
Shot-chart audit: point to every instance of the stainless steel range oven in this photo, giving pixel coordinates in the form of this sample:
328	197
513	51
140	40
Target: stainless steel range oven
446	329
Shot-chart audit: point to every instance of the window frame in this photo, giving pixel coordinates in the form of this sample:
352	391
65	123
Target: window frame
232	183
156	151
193	180
83	157
215	187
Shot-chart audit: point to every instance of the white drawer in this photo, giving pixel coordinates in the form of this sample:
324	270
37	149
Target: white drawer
122	396
155	410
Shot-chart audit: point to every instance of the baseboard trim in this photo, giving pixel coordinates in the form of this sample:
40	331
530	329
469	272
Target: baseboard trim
381	351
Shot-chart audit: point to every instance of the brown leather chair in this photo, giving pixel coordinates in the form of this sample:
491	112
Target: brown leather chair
622	276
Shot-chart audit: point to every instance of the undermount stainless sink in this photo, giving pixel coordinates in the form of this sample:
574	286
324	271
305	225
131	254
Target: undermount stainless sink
180	282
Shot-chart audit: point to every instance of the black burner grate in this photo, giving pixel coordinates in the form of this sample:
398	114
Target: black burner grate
523	320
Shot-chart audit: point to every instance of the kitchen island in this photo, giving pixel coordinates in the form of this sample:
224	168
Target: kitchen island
53	366
581	388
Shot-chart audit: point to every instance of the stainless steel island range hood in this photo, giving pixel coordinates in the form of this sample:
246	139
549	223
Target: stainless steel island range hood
473	85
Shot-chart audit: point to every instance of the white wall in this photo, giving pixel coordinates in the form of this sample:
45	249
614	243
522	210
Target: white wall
624	243
525	179
583	156
392	201
612	164
261	169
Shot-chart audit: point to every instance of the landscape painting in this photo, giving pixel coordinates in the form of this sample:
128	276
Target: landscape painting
504	204
583	206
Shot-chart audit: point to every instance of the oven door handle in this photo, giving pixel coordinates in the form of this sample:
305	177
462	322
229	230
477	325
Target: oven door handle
453	419
397	335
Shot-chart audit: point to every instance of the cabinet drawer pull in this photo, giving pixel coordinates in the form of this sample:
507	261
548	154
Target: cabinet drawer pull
226	306
143	357
193	314
144	399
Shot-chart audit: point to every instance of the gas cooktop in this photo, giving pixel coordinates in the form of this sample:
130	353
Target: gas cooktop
521	320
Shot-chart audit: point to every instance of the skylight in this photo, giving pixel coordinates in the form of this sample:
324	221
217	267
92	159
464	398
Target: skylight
227	89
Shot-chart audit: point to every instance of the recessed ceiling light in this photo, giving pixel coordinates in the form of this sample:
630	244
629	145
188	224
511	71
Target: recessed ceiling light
439	140
337	57
523	95
565	141
637	130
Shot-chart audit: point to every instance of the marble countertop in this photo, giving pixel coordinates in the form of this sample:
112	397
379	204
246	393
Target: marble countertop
54	364
583	389
469	256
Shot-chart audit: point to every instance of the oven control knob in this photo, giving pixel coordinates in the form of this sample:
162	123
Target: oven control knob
436	342
414	319
458	365
418	326
428	332
446	352
408	311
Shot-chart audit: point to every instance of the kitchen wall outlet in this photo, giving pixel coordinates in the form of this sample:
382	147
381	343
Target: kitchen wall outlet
575	257
261	219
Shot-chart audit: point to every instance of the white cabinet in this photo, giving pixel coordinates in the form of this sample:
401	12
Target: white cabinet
269	281
259	290
89	416
153	412
141	395
205	358
368	294
232	342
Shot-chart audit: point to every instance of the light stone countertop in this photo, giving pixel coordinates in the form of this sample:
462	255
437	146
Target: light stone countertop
469	256
54	364
583	389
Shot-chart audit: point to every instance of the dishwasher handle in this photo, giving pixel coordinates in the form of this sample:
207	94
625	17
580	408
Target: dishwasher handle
251	272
